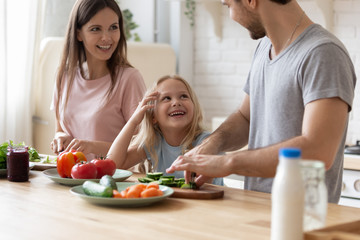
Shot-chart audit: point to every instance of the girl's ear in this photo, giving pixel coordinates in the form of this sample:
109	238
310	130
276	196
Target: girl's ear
154	120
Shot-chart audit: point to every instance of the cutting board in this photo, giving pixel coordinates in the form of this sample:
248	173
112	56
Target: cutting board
346	231
205	192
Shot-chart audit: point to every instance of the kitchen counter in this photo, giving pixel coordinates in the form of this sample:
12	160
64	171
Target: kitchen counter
352	162
43	209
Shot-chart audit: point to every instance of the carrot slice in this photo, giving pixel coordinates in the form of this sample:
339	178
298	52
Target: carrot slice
135	191
116	194
150	192
152	185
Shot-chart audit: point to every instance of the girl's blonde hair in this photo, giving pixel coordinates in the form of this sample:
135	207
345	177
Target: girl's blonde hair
149	134
73	55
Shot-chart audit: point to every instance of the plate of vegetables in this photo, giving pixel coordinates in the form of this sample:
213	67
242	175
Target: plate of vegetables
124	194
119	175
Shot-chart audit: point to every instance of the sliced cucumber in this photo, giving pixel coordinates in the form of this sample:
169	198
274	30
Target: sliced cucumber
154	175
169	181
146	180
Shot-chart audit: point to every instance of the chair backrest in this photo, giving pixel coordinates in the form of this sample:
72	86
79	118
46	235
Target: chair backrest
151	59
44	118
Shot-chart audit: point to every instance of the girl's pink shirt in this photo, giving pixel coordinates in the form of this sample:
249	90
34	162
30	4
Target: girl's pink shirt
88	116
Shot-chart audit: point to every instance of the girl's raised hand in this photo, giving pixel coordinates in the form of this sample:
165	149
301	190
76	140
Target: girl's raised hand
143	106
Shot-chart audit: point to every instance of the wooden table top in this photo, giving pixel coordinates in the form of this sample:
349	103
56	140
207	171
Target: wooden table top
43	209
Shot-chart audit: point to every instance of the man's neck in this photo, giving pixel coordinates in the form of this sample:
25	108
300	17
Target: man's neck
283	25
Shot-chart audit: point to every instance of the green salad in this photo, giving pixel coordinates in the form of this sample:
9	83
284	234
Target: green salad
33	154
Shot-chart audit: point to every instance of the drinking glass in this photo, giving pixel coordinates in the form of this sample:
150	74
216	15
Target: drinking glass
315	204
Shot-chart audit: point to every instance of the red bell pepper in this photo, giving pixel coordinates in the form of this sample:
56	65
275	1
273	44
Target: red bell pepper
66	160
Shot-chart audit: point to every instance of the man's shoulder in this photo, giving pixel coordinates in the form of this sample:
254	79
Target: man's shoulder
316	36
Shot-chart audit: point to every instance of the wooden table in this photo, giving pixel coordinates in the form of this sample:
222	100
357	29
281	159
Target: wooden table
42	209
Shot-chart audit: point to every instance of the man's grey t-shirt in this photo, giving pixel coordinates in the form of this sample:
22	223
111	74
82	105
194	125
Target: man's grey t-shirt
315	66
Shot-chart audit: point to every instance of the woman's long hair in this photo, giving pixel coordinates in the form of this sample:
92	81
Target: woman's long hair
73	55
150	134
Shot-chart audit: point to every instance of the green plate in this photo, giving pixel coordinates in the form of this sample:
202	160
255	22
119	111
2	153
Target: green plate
122	202
119	175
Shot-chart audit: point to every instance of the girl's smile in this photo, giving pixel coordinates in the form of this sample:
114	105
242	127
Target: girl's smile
174	108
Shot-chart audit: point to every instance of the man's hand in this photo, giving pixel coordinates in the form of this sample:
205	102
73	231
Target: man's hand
205	166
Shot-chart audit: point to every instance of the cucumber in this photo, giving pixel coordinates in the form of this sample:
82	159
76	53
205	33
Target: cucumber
108	181
160	179
190	185
154	175
96	189
170	178
164	181
145	180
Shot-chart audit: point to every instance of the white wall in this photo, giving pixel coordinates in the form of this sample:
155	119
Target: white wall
143	11
221	65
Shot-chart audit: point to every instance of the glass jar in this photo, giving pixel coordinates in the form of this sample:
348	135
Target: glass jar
18	163
315	205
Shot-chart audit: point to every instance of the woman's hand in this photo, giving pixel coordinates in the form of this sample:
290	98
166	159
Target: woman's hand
80	145
60	142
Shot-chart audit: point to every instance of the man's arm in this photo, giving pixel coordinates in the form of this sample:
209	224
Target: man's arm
323	127
231	135
322	130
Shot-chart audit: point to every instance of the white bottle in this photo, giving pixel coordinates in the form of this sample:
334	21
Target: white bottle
287	197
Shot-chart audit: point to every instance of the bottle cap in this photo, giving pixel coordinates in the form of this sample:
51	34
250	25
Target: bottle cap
290	152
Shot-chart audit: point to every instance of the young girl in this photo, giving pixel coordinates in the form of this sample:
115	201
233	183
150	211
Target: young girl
97	89
169	122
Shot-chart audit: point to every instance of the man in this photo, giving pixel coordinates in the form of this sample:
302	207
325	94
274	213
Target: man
299	93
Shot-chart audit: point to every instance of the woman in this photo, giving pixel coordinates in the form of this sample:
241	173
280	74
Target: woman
97	89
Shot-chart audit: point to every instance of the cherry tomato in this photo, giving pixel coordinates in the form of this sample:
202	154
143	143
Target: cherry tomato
84	170
104	166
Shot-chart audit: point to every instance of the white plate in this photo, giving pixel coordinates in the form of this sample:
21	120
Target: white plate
43	165
3	171
122	202
119	175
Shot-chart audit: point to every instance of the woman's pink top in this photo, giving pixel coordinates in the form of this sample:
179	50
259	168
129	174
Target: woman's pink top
89	116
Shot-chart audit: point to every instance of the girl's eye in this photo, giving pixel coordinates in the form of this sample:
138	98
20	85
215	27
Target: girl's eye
184	96
166	98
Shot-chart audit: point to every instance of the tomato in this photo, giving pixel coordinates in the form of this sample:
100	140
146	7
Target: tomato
84	170
66	160
104	167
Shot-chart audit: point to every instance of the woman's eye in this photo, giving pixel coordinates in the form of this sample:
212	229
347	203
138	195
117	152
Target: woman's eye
114	27
95	29
184	96
166	98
